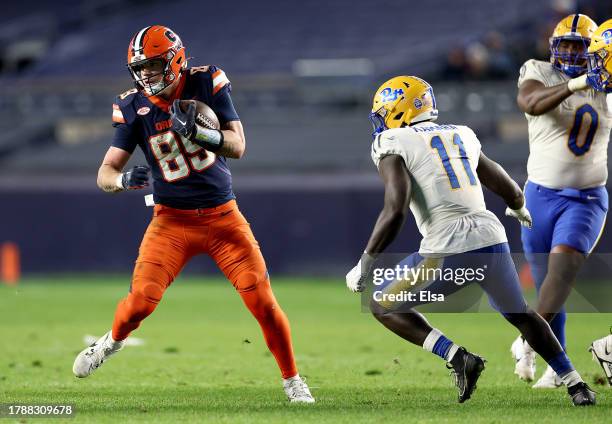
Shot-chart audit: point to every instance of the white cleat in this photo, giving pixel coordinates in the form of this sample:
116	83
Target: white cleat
602	352
91	358
297	390
549	380
525	359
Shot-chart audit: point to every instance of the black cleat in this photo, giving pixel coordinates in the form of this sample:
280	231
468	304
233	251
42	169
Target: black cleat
466	368
581	394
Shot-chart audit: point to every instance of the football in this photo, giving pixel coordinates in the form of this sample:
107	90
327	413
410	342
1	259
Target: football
205	116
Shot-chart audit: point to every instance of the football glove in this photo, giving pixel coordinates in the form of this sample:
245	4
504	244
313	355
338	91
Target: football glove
356	277
183	122
522	214
135	178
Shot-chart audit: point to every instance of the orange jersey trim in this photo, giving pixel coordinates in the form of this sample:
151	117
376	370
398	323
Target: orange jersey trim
118	115
219	80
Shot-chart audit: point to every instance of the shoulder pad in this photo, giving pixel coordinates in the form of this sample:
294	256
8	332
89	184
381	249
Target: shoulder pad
128	93
536	70
385	144
215	75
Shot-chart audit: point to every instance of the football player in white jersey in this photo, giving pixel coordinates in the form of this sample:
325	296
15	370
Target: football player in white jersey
569	129
600	76
436	171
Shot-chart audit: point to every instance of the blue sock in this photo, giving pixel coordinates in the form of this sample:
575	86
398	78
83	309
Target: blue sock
438	344
442	346
558	327
561	364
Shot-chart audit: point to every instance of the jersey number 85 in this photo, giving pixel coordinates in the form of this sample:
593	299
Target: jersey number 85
177	155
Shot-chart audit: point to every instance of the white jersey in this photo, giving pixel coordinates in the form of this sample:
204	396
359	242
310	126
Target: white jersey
568	145
447	200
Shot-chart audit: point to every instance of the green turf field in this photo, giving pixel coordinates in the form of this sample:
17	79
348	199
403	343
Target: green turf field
205	360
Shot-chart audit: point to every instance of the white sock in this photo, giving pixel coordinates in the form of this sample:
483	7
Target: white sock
295	377
571	378
431	339
430	342
451	352
114	344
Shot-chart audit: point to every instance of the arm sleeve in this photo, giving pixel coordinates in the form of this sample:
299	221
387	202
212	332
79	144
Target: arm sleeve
531	71
126	134
385	145
125	137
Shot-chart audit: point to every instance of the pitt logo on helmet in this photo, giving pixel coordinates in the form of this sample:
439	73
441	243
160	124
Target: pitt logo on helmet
402	101
600	58
569	43
388	94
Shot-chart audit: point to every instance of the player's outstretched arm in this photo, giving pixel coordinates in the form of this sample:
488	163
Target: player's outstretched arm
534	98
397	199
111	178
496	179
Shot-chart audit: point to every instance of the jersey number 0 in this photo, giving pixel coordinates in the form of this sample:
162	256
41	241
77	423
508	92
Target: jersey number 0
574	145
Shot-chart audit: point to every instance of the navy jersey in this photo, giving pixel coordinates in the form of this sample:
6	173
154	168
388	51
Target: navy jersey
185	176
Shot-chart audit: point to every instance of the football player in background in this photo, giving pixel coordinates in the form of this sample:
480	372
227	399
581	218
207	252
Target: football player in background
569	130
195	208
600	76
436	170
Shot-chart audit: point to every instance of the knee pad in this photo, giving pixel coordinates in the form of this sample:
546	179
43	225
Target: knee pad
150	281
250	279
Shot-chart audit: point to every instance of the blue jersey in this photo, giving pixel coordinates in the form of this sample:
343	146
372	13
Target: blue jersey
185	176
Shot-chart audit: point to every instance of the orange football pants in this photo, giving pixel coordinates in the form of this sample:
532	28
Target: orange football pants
172	238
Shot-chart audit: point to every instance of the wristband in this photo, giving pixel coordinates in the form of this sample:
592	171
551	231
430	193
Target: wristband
119	182
211	140
578	83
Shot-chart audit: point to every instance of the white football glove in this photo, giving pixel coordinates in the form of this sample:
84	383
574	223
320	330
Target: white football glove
356	277
522	214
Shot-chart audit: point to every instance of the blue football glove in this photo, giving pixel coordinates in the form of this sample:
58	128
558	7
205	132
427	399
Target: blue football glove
599	83
183	122
135	178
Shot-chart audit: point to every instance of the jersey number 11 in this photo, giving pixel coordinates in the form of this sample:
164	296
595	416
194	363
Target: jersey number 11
437	143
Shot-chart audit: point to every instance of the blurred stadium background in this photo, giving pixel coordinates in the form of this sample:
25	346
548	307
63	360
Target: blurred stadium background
303	75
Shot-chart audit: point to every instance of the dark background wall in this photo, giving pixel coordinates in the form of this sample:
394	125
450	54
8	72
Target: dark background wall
308	232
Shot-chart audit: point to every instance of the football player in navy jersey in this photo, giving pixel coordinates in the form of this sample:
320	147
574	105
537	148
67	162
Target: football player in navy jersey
195	208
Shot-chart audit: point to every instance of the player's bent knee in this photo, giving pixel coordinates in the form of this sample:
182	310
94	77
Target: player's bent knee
150	282
377	310
250	280
521	318
564	265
